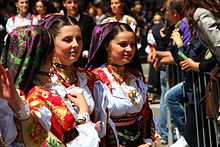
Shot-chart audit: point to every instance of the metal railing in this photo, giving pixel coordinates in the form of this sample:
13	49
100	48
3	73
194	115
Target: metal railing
207	129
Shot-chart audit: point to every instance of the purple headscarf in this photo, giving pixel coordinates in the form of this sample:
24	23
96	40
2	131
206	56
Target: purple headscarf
98	54
49	20
26	49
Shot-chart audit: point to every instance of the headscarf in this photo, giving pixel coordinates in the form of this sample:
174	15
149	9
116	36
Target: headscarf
25	50
98	54
49	20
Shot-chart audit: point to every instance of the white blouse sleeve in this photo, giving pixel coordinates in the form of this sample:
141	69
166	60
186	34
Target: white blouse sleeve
100	99
9	25
7	124
35	21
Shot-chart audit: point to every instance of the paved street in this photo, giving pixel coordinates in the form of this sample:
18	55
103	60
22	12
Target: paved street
155	106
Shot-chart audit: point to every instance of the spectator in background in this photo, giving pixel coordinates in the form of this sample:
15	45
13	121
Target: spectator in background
43	8
174	96
163	76
205	16
101	10
86	22
139	15
57	4
119	14
22	18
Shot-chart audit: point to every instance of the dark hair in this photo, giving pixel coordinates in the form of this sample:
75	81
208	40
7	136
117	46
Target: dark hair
191	5
177	5
125	7
45	3
55	22
61	22
78	2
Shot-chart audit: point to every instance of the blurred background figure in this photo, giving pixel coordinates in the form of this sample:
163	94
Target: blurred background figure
23	16
44	8
119	13
72	8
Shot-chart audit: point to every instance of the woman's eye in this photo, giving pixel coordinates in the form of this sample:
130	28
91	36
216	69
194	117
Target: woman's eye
133	45
68	40
78	39
123	44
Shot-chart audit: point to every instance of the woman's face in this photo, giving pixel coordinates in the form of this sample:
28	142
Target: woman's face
41	8
116	6
122	48
68	44
22	6
72	7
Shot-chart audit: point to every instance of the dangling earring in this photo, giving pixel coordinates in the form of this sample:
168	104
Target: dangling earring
17	10
55	60
109	58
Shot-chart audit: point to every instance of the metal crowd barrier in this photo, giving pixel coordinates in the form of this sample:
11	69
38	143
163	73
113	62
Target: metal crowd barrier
206	135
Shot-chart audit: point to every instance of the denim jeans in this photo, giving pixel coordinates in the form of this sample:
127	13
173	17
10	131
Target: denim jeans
163	106
174	99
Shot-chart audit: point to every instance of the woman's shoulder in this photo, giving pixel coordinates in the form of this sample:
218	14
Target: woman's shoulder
90	75
134	72
106	19
101	74
202	12
130	19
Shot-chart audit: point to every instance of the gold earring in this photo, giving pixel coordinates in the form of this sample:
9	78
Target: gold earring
109	58
17	10
55	59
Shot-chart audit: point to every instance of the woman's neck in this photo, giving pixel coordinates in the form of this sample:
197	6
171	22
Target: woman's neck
118	72
73	14
118	69
119	16
67	73
22	15
63	68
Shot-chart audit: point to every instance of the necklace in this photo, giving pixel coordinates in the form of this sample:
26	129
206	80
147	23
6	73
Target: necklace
68	77
118	72
123	78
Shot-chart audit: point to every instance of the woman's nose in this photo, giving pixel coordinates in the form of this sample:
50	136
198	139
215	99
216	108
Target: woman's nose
74	43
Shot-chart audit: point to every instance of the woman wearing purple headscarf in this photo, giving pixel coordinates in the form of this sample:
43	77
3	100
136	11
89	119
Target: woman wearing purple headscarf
113	57
68	76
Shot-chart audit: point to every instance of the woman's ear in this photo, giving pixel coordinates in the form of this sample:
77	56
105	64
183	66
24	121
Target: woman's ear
16	4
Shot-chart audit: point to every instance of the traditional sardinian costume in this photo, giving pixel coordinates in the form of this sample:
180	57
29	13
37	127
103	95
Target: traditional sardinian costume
131	119
84	82
47	119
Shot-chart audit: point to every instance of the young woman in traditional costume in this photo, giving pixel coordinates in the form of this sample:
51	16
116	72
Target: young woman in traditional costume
113	57
43	117
67	75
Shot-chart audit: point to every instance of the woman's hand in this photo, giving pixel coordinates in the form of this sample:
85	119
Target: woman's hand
8	90
177	39
189	64
79	100
151	57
